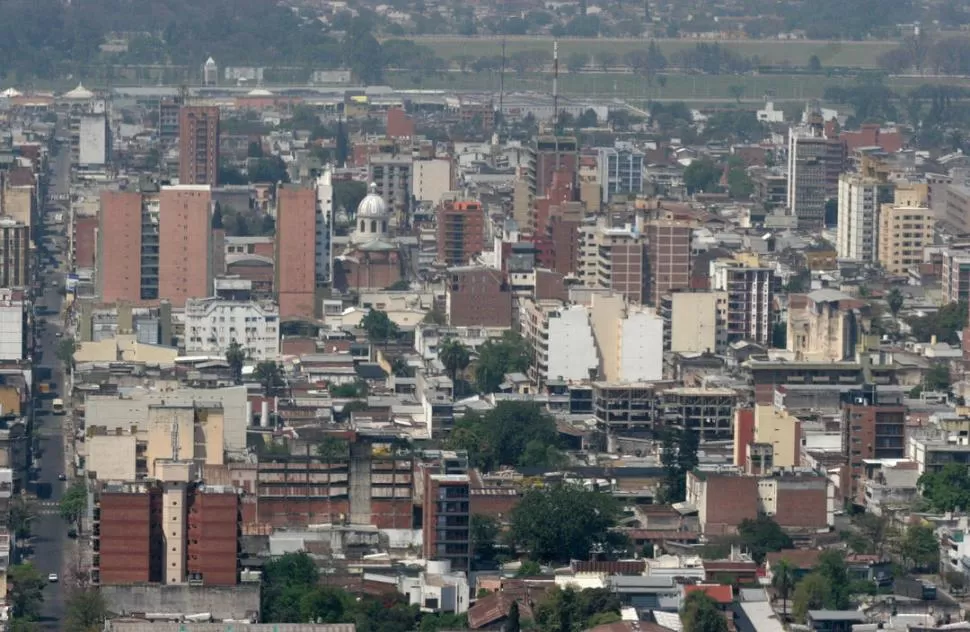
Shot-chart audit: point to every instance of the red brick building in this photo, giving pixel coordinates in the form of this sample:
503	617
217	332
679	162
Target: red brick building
461	232
85	240
399	124
199	145
478	297
295	259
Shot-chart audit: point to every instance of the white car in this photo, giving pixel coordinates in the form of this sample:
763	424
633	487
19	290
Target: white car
52	578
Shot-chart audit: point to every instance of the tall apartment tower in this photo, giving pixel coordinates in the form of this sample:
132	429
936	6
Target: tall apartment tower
199	145
871	429
814	164
552	154
296	260
860	197
324	231
14	253
668	258
620	171
122	248
191	253
461	232
749	295
446	513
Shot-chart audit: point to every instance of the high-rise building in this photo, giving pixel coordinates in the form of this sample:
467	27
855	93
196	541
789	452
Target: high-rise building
13	317
324	232
552	154
121	254
620	171
859	200
694	321
296	260
93	140
956	276
871	429
906	227
199	145
814	164
189	249
446	519
14	253
749	295
668	257
393	175
461	232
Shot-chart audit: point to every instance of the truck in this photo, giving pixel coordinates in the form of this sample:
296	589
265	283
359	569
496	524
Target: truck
44	388
915	589
57	406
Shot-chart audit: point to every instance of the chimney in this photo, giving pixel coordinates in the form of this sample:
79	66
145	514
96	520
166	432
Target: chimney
264	414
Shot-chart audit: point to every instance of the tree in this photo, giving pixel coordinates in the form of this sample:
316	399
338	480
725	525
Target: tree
607	60
286	580
236	356
895	301
944	324
23	625
783	581
66	349
577	61
347	195
568	610
86	611
25	587
512	621
564	522
379	327
814	64
484	533
875	531
501	436
270	376
736	91
761	536
947	489
528	568
920	547
701	614
937	378
701	176
73	504
831	565
678	456
509	354
23	512
456	358
810	594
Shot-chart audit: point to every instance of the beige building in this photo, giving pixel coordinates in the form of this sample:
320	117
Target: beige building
905	229
19	203
777	428
629	339
124	348
695	321
111	457
826	326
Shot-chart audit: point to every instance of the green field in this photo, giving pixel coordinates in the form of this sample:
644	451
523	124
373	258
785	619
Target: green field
863	54
698	88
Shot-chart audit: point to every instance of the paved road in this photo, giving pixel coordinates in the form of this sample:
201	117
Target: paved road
51	544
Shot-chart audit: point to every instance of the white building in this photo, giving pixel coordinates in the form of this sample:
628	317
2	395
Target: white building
93	140
770	115
212	324
11	326
432	179
629	340
324	238
571	352
858	224
437	589
210	72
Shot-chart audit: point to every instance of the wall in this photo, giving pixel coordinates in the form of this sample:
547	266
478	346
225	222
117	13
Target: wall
236	602
641	353
432	179
185	243
782	430
572	348
295	251
693	321
93	140
119	246
112	457
605	314
125	539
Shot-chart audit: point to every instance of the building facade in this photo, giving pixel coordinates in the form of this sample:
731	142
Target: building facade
814	165
190	249
296	261
749	300
620	171
461	232
212	324
14	253
904	231
199	145
668	257
859	201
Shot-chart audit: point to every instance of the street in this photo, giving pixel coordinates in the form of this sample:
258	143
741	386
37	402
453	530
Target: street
51	543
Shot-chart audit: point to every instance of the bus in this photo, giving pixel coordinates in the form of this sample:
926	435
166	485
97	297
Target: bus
57	406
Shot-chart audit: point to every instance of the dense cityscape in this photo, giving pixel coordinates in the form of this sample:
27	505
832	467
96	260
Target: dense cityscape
565	316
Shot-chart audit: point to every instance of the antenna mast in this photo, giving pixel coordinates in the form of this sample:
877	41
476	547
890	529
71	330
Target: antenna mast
501	76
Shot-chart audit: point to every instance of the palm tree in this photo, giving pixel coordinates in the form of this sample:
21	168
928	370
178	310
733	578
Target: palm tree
236	356
895	301
783	581
455	357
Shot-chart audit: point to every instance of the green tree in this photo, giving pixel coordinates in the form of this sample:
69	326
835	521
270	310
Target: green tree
23	513
577	61
347	195
66	349
568	610
286	580
271	169
814	64
895	301
831	565
740	185
379	327
456	358
761	536
702	176
947	489
236	356
701	614
484	533
73	504
810	594
678	456
270	376
25	587
86	611
920	547
528	568
509	354
736	91
564	522
783	581
876	532
944	324
23	625
937	378
501	435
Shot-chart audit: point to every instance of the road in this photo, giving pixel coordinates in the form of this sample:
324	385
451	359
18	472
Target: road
51	544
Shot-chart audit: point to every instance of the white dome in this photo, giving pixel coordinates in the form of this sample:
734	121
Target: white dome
80	92
259	92
372	206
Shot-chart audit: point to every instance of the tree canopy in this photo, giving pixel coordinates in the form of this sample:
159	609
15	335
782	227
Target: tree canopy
570	610
762	536
564	522
828	586
25	587
509	354
513	433
700	614
379	327
948	489
74	503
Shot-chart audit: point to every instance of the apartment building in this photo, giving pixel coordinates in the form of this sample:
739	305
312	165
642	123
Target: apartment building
127	248
870	430
629	339
906	227
749	299
191	251
551	154
478	297
694	322
620	171
955	279
446	529
561	339
766	437
613	259
296	222
461	232
668	257
212	324
860	198
433	179
199	145
13	325
393	175
815	162
14	253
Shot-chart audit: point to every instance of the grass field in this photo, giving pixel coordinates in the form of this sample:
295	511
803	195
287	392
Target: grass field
864	54
698	88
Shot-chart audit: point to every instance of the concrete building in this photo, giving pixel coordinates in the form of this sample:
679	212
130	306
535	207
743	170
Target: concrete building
446	533
199	145
860	199
798	502
956	208
210	72
552	154
749	300
93	140
190	250
870	430
694	321
373	260
324	231
478	297
13	316
14	253
562	341
906	227
296	222
127	251
461	232
766	438
956	276
614	259
19	201
814	164
934	450
826	326
212	324
620	171
668	258
392	177
433	178
629	340
437	589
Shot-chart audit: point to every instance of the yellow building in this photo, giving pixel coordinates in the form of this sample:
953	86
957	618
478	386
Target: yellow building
782	431
124	348
905	229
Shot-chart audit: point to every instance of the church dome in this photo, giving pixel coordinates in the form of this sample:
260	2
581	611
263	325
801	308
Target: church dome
372	206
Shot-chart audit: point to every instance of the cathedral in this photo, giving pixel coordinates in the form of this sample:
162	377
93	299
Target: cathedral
372	260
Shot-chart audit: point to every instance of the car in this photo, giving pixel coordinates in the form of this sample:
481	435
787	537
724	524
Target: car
52	578
62	476
58	334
